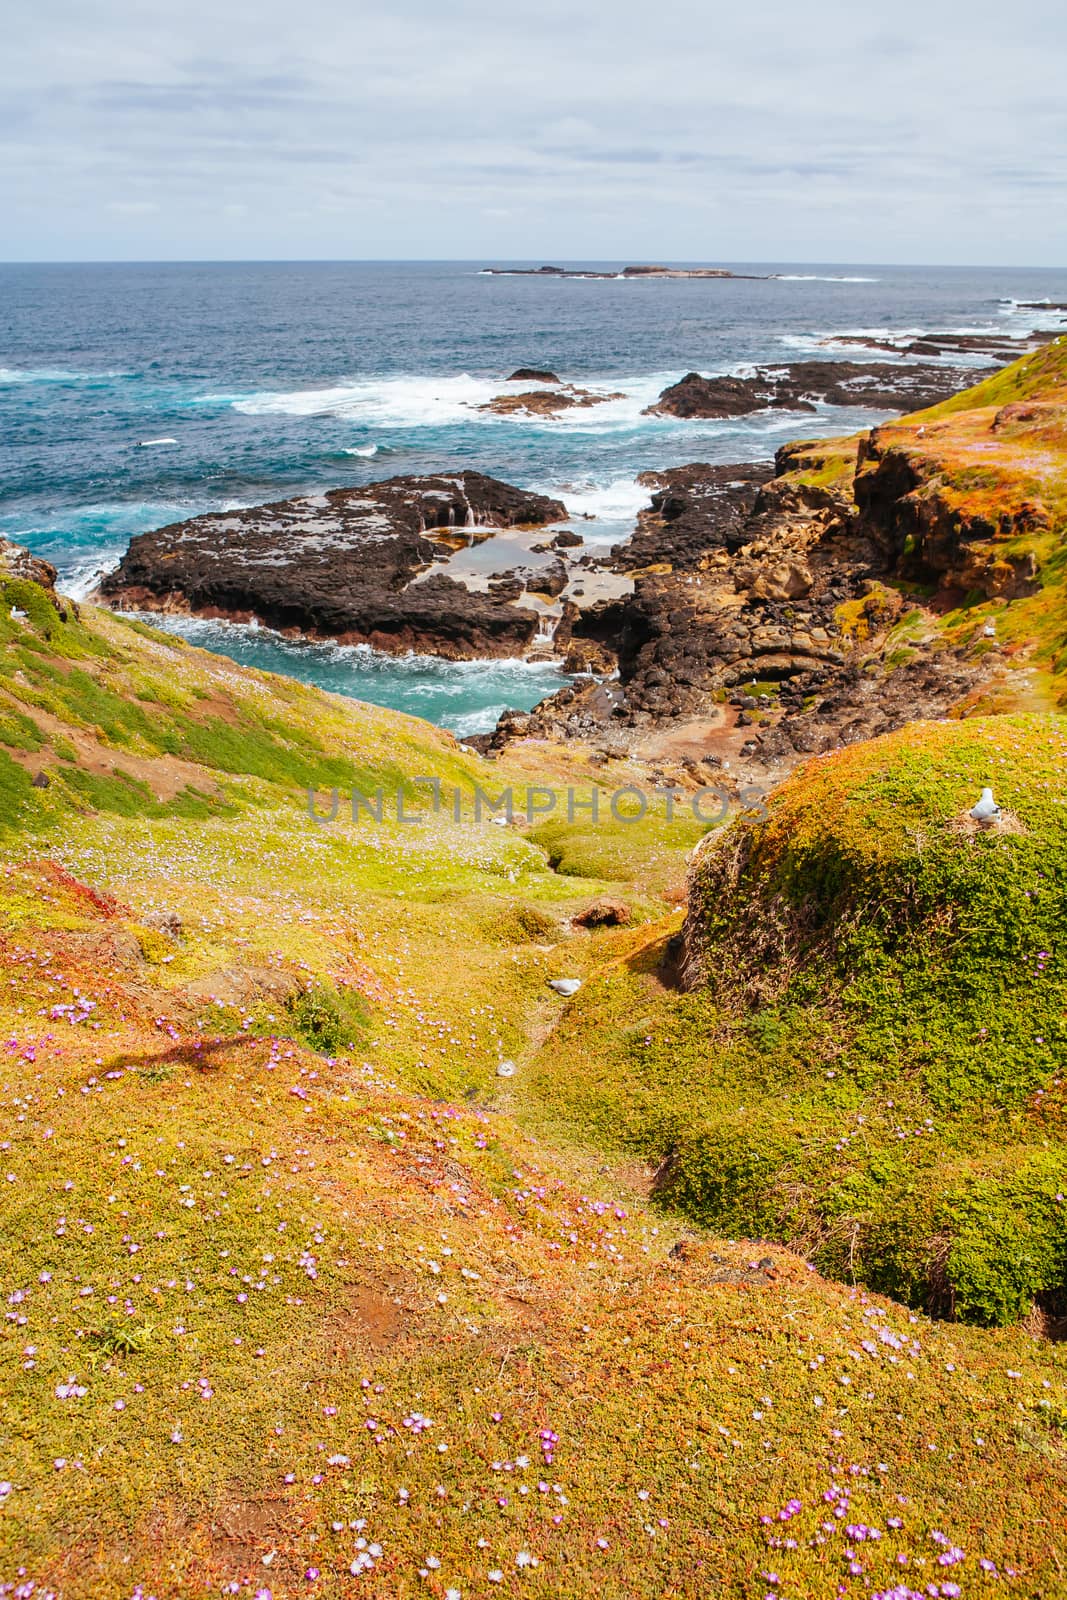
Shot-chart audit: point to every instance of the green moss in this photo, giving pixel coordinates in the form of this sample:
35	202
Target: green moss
328	1019
23	595
17	731
519	923
615	847
16	791
118	793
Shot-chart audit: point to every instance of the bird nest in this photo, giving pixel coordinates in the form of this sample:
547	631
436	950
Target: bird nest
1005	821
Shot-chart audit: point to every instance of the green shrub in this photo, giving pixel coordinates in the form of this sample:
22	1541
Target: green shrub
328	1019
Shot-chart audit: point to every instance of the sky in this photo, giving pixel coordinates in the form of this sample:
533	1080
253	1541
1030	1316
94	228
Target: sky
543	130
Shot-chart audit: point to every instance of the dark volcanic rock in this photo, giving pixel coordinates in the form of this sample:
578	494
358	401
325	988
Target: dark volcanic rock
694	396
694	510
997	346
533	375
547	402
353	565
797	386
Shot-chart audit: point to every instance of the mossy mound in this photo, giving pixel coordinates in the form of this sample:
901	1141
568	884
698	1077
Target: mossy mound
935	951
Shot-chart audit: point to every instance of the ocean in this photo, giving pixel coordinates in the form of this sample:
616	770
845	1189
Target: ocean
136	395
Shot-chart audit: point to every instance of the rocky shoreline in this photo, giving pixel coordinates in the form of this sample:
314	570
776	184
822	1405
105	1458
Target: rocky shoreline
758	628
758	613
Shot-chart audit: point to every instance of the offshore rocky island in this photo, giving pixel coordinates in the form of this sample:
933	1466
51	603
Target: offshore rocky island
407	1201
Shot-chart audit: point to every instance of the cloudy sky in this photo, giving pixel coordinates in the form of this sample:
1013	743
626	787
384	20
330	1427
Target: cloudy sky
813	130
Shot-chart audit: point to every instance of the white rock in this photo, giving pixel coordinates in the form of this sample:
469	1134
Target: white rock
986	808
565	986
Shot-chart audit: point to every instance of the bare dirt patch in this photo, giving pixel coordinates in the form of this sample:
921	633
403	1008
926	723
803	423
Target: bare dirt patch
375	1315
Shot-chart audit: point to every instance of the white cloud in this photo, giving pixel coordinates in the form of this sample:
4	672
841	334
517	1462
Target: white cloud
680	130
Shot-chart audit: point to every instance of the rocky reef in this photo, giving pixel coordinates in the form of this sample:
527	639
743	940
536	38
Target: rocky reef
998	347
800	385
355	565
759	602
548	401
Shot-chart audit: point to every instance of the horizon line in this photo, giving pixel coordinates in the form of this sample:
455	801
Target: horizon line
233	261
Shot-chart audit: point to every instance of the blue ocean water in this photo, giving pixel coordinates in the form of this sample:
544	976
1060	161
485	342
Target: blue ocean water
135	395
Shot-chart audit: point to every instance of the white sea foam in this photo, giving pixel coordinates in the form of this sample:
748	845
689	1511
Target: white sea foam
412	403
199	629
54	375
433	402
365	450
80	580
471	722
820	277
1029	316
617	501
377	402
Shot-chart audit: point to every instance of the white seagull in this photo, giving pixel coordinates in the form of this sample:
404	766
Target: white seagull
565	986
986	808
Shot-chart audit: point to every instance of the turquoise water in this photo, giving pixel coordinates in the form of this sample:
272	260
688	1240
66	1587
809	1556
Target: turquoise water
133	396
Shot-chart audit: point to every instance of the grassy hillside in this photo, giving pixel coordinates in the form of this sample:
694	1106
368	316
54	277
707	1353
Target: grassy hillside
293	1305
276	1326
1042	375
